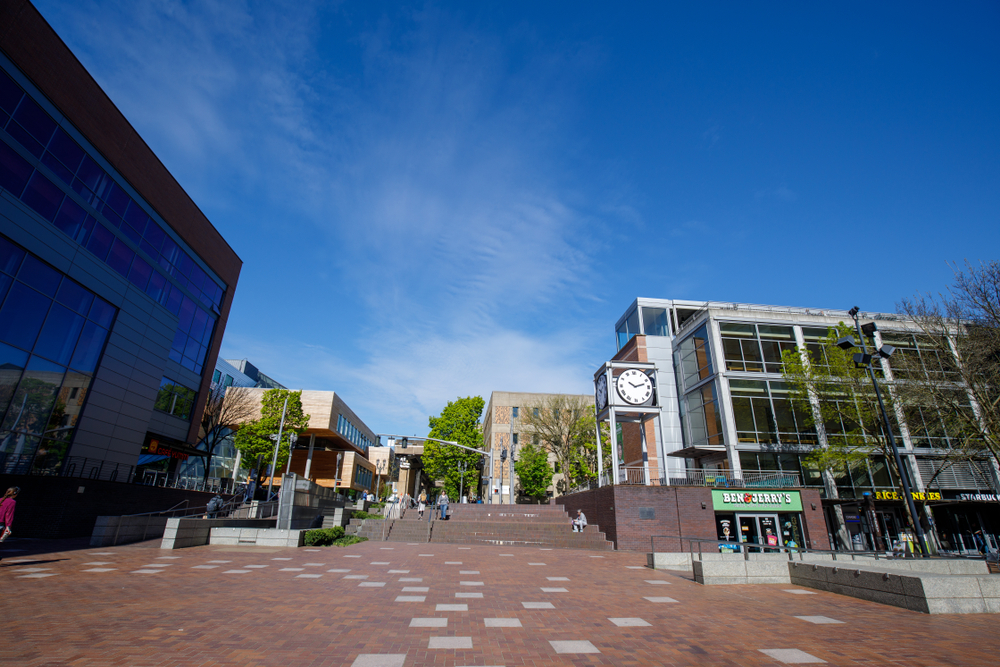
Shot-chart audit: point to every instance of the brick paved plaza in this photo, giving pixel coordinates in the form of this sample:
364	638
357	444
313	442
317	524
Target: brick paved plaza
380	604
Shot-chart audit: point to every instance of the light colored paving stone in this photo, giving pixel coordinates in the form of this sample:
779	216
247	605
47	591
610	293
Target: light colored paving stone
255	567
545	549
167	557
229	561
629	622
635	567
399	571
468	595
416	589
465	548
557	578
348	556
204	567
471	583
410	598
92	553
411	579
453	562
380	660
502	622
452	607
237	572
536	563
791	656
148	571
387	548
660	599
291	569
108	569
507	555
428	622
32	569
426	555
308	576
555	590
819	620
157	565
314	564
379	562
337	570
658	582
577	646
449	642
96	562
468	571
356	576
42	575
371	584
538	605
597	556
313	549
275	559
798	591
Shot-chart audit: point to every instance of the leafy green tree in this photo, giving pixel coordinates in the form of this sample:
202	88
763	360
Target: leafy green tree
565	426
534	473
458	422
225	409
253	438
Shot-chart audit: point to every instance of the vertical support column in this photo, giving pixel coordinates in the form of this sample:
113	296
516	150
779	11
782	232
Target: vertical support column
614	447
309	458
645	451
600	453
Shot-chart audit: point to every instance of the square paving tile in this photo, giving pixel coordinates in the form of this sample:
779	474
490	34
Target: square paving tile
96	562
468	571
315	564
255	567
371	584
635	567
399	571
538	605
471	583
452	607
357	576
237	572
555	590
658	582
502	622
337	570
308	576
380	660
42	575
798	591
271	559
468	595
411	578
204	567
791	656
347	556
819	620
655	599
428	622
410	598
416	589
449	642
380	562
577	646
112	569
158	571
536	563
557	578
167	557
629	622
229	561
291	569
453	562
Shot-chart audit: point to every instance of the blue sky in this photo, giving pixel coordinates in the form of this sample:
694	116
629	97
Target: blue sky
441	200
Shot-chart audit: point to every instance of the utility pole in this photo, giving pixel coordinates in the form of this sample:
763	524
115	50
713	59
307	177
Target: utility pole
277	444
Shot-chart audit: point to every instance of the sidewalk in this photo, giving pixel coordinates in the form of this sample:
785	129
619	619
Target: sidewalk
382	604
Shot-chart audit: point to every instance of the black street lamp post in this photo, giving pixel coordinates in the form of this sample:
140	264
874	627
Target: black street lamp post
864	360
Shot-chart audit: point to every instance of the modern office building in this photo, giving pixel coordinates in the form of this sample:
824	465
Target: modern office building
724	413
504	429
114	287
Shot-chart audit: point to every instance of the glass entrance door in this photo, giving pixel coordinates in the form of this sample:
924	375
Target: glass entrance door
759	529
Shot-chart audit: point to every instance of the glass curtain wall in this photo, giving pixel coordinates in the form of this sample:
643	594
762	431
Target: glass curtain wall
52	335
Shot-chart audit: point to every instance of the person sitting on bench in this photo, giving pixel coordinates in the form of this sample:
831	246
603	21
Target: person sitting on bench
580	522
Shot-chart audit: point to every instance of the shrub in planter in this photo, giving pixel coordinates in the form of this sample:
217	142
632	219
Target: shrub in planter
364	515
349	540
323	537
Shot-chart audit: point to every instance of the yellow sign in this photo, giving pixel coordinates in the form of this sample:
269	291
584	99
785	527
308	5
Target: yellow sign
917	495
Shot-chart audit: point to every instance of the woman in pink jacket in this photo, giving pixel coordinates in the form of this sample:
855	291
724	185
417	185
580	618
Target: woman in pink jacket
7	511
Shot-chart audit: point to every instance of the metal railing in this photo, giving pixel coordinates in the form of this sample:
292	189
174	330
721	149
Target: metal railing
747	479
746	548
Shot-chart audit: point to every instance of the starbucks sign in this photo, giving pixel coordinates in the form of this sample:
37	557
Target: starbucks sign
750	501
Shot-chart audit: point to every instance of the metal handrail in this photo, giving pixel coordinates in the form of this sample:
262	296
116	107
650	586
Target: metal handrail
792	551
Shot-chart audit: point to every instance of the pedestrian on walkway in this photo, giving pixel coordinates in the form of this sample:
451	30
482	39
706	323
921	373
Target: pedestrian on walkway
422	504
443	502
580	522
7	511
980	542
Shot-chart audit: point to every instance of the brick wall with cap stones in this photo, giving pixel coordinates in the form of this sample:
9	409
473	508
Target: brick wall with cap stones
630	515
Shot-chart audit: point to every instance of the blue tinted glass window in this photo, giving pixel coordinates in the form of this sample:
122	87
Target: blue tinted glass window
12	362
100	241
102	312
131	234
154	234
25	139
43	195
174	300
139	273
186	315
136	217
14	170
10	257
116	198
22	316
57	167
5	282
155	287
68	151
85	193
88	348
10	93
75	297
207	336
90	174
32	118
39	275
37	393
169	250
59	334
191	349
120	257
71	219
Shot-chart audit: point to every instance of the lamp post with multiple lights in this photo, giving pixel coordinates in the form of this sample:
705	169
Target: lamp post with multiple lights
864	360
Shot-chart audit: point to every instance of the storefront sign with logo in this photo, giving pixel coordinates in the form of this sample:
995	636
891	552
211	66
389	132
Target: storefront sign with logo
155	447
749	501
978	497
917	495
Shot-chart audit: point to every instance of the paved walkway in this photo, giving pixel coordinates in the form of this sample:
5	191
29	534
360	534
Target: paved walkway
392	604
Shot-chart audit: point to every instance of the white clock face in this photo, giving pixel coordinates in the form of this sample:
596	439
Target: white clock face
602	392
634	387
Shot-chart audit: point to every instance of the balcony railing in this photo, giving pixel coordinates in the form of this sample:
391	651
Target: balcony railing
723	479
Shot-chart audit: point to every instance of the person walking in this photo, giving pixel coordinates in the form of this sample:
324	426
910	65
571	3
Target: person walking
7	511
443	502
422	504
980	541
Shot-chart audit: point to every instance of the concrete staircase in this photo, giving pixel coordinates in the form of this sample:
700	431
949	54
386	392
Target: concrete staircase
509	525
